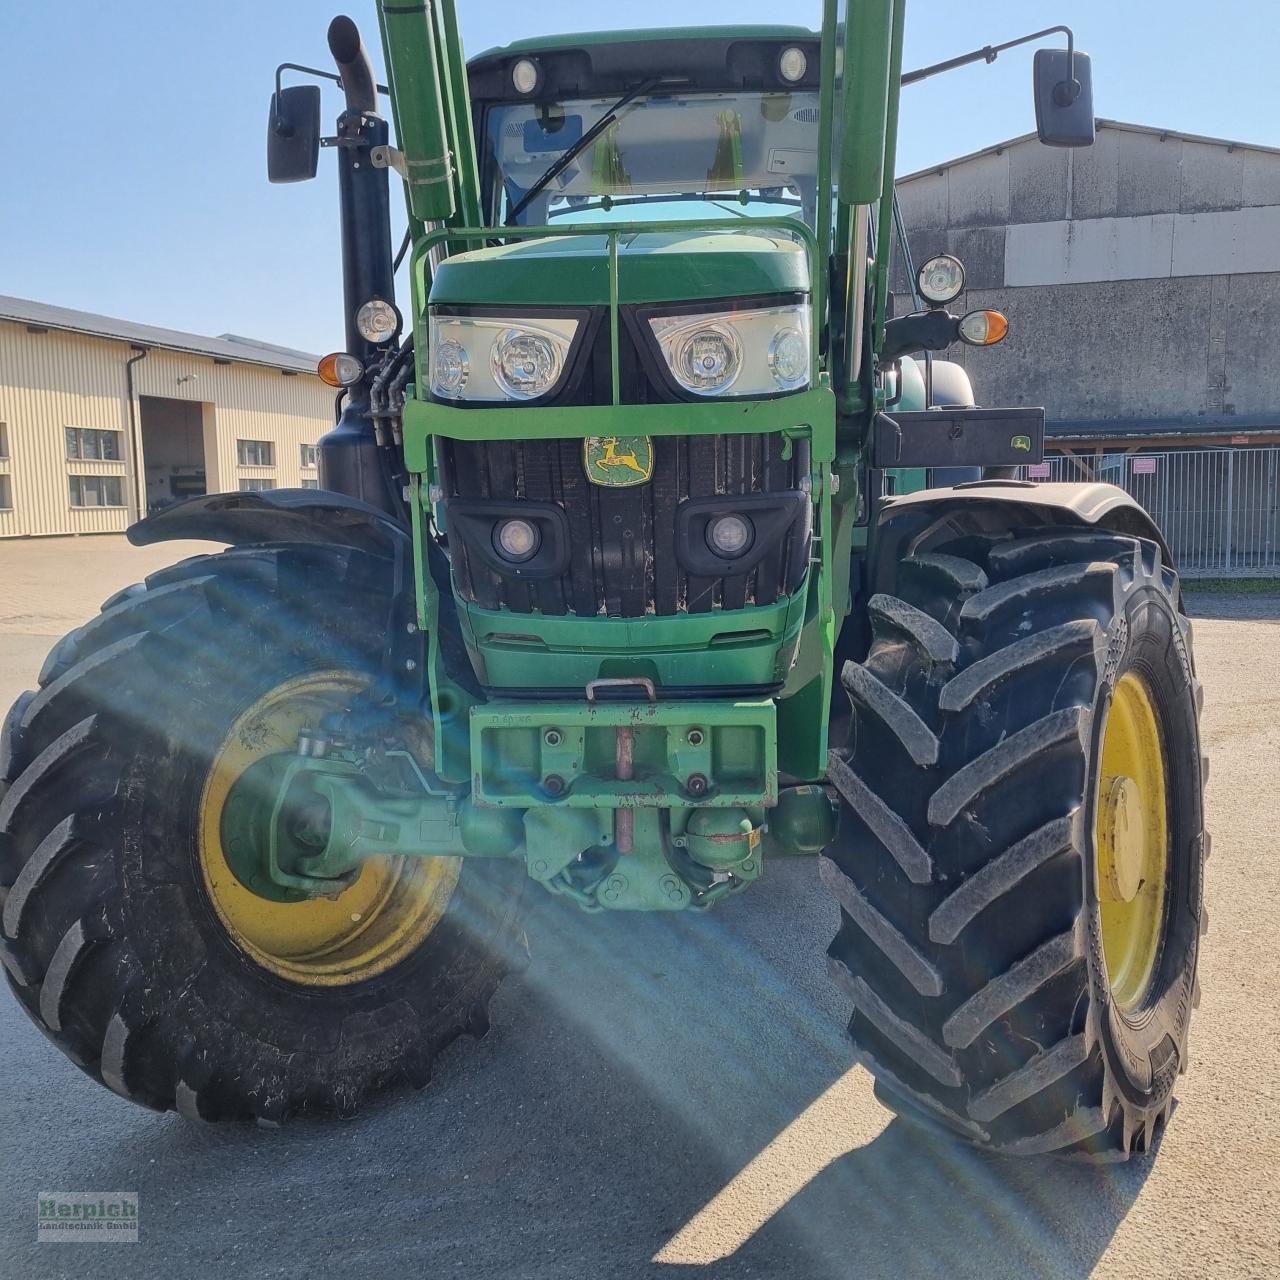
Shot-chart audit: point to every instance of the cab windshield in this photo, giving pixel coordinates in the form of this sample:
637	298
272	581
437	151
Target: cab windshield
667	156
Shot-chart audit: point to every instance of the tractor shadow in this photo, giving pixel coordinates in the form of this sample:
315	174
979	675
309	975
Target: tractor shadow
632	1103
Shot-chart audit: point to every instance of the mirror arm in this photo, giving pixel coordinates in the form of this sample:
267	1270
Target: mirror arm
314	71
1066	93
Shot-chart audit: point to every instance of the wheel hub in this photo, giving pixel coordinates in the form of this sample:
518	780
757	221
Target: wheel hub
1132	842
371	920
1123	836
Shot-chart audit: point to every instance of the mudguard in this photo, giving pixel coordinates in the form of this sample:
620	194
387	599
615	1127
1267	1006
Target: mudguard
991	506
277	515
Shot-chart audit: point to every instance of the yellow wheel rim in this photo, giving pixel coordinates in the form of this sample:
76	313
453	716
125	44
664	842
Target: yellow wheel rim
1132	842
372	925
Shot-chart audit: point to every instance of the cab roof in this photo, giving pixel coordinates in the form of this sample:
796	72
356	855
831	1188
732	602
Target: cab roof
726	58
646	35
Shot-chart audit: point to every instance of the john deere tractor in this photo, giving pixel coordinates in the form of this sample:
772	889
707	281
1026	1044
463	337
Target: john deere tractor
657	541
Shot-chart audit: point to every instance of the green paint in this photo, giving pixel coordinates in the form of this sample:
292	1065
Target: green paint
811	413
573	269
565	753
751	647
868	40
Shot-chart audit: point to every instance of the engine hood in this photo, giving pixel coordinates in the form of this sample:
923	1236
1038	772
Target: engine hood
653	266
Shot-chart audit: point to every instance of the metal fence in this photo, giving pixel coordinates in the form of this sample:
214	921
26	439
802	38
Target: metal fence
1219	508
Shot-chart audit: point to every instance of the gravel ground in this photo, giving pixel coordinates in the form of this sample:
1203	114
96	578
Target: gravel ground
672	1097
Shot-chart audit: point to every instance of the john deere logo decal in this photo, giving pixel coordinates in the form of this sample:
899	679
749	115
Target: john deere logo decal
618	462
1021	443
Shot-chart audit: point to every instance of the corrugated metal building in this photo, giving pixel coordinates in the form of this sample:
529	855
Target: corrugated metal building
102	420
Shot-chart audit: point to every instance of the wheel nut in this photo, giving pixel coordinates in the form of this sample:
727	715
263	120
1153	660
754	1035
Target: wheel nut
697	785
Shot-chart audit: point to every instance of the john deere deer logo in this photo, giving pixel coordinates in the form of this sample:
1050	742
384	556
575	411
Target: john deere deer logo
617	462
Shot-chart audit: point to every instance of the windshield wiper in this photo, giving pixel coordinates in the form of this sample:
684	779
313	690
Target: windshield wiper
578	148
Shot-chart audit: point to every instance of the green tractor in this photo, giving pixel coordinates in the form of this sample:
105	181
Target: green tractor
656	542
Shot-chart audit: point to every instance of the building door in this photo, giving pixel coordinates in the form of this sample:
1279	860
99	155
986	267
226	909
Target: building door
172	450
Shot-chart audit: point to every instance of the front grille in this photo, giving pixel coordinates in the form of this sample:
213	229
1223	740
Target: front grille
624	562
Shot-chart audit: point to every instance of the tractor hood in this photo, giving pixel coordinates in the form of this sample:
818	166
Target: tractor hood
658	266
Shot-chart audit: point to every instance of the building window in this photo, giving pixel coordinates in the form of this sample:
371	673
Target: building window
91	445
311	484
6	494
308	455
4	440
96	491
256	453
256	486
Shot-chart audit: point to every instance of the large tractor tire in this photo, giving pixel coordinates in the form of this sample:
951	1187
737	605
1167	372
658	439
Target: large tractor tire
1020	852
124	933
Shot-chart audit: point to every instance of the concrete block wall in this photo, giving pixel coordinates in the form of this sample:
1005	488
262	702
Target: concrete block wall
1141	276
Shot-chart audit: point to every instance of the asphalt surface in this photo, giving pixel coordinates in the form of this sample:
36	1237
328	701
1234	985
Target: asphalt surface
672	1096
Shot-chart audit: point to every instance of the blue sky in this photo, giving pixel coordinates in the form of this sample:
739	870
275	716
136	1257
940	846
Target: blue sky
133	140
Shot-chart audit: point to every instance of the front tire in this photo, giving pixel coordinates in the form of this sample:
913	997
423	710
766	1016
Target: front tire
1019	860
124	935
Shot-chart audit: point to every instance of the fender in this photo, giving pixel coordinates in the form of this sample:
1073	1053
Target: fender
322	516
990	506
277	515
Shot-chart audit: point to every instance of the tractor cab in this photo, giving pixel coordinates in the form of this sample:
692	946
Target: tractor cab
713	121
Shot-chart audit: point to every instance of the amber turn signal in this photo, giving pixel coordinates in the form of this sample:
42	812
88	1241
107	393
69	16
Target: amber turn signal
984	328
340	370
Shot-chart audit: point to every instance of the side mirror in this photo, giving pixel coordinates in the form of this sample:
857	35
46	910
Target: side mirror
1064	98
293	134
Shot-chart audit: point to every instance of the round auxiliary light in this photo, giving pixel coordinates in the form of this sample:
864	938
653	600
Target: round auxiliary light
730	536
525	76
340	370
793	64
450	368
708	360
525	365
517	540
941	279
378	321
789	359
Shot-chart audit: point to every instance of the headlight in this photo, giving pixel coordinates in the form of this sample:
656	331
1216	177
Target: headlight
525	365
751	351
495	360
706	358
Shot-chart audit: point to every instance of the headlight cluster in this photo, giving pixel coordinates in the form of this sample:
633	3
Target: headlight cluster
477	358
756	352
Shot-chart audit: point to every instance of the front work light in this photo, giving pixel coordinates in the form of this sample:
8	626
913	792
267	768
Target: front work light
941	280
378	321
792	65
517	540
525	76
730	536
